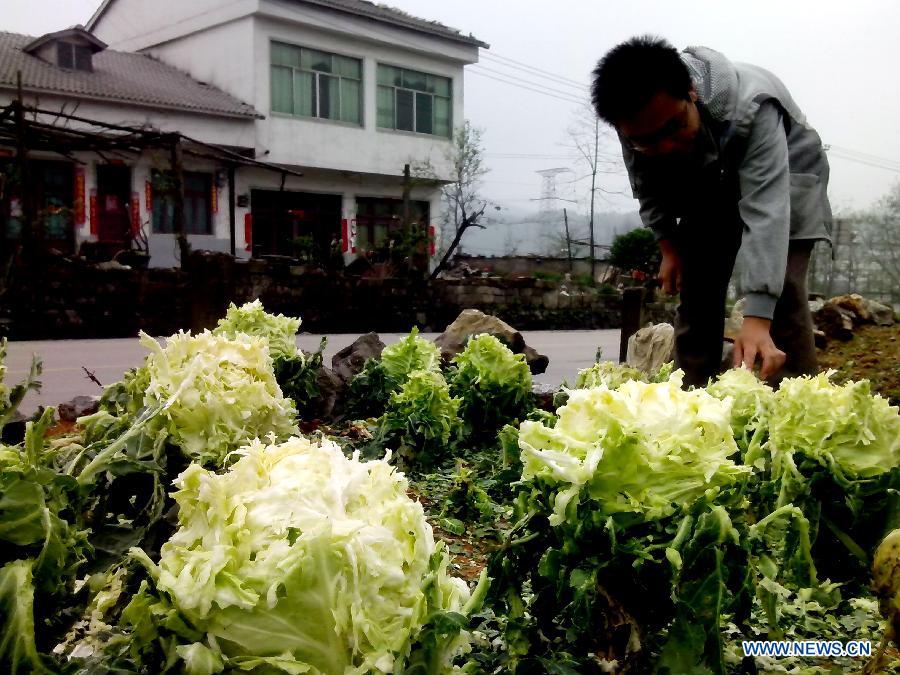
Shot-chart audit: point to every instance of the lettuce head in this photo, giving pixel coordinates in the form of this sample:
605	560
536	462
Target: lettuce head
217	393
410	354
299	559
843	426
642	449
251	319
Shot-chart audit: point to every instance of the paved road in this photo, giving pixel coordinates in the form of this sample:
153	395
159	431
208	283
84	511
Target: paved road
64	378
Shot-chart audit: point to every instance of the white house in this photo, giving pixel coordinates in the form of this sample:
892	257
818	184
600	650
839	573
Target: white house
344	92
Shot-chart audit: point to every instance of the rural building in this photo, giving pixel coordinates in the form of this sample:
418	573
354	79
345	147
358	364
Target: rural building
294	122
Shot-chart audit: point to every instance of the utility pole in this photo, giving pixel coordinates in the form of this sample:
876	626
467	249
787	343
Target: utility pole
568	239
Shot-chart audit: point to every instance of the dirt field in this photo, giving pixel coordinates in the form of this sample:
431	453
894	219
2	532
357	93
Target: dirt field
873	354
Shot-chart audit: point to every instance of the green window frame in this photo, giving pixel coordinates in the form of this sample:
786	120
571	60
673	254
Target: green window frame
410	100
312	83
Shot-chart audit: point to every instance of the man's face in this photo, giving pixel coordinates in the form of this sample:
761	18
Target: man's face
665	126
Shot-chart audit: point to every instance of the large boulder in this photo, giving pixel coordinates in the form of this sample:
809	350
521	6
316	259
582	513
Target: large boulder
474	322
882	315
651	347
350	360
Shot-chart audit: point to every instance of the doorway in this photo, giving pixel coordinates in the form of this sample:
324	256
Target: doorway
302	225
113	207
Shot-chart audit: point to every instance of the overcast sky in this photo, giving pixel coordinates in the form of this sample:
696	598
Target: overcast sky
839	59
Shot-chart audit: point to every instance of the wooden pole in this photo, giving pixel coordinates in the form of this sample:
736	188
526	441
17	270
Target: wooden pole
568	239
632	310
177	188
29	215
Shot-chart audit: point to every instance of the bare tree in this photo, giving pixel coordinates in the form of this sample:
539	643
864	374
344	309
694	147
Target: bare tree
878	256
596	147
464	205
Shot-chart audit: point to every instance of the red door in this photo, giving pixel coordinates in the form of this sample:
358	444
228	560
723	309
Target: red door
113	207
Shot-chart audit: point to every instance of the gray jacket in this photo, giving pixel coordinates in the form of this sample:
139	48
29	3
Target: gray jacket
781	167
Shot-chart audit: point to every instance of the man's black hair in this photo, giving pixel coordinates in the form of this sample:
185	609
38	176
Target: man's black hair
632	73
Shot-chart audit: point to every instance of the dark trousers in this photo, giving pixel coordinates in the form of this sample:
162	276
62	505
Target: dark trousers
708	252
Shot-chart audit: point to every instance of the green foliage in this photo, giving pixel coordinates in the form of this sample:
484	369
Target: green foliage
370	389
298	378
252	319
420	421
344	579
636	251
494	386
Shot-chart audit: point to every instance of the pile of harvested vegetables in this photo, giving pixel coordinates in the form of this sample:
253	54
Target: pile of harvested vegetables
448	524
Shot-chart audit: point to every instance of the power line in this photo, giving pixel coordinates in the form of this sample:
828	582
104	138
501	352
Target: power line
522	86
546	73
526	81
877	165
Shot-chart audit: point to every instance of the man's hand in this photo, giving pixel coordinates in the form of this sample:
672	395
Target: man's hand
755	341
669	276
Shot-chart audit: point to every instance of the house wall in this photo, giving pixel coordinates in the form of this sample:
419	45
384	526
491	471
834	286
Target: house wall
231	131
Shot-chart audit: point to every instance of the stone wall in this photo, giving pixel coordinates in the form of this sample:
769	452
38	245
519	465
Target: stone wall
70	300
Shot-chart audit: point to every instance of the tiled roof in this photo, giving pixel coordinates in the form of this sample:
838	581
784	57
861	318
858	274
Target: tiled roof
119	77
398	17
371	10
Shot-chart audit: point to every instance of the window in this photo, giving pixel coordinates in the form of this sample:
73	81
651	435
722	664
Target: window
197	202
379	219
73	57
412	101
310	83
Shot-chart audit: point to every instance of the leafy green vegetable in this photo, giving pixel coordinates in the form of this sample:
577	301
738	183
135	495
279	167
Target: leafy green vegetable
18	652
217	393
252	319
298	378
10	398
419	421
642	448
370	389
608	374
843	427
752	403
494	385
299	559
410	354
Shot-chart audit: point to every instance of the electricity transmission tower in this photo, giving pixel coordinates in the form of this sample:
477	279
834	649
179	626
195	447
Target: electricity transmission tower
549	199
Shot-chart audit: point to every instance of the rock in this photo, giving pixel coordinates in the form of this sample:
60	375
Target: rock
855	304
734	322
816	305
651	347
537	363
474	322
331	394
882	315
834	322
77	407
350	360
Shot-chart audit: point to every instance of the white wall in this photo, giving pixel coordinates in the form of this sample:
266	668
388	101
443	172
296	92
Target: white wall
327	144
201	126
221	55
133	25
229	46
